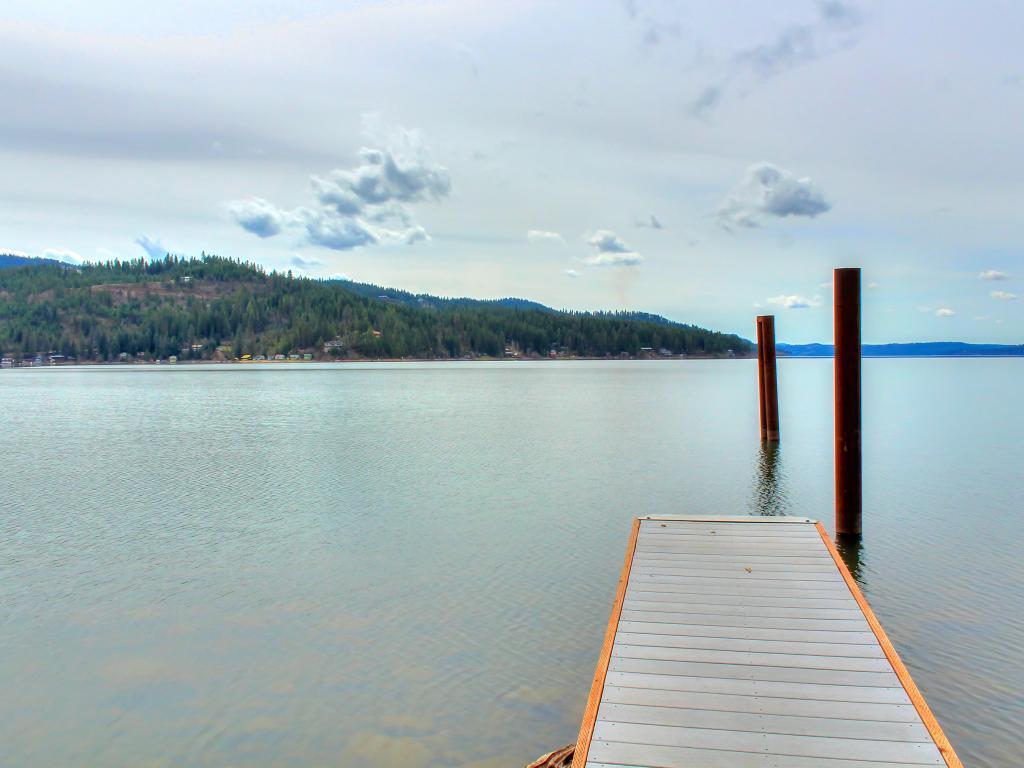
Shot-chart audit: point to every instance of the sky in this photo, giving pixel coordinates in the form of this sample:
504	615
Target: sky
706	161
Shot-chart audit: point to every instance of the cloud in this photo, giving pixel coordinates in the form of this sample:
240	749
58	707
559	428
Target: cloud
767	190
992	274
14	252
796	45
256	215
944	312
540	237
60	254
706	102
153	247
304	263
339	276
1003	295
362	205
873	286
654	31
795	301
572	273
650	223
611	251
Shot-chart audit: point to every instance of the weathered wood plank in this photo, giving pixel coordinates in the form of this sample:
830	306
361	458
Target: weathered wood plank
741	610
726	620
757	722
775	601
768	705
763	564
650	755
863	693
748	633
868	650
758	673
717	656
921	753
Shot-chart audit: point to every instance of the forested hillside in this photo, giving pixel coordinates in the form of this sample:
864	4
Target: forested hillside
192	307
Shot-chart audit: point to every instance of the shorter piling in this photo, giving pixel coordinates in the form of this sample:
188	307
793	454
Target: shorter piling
767	378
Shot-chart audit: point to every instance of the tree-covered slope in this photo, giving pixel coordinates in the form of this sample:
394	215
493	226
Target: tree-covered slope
189	307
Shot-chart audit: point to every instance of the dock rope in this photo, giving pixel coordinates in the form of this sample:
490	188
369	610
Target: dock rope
560	758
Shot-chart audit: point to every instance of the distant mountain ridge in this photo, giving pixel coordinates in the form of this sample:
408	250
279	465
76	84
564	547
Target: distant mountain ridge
216	308
17	260
421	300
915	349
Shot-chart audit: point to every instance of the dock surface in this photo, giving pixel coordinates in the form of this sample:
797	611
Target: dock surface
744	641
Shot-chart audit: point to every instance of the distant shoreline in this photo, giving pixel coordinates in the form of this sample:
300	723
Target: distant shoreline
361	361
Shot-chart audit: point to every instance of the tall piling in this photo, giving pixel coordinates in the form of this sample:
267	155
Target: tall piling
767	378
846	331
760	379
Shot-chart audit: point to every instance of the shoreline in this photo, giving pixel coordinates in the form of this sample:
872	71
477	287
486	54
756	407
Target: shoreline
415	360
361	360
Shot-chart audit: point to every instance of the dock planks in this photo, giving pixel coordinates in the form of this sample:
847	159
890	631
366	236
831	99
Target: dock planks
744	641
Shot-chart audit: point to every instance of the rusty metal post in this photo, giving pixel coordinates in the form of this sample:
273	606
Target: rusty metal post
760	378
769	379
846	330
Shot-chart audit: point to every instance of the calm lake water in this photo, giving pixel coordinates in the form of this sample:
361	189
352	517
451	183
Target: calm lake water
412	564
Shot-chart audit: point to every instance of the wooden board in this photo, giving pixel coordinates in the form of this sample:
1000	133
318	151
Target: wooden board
744	641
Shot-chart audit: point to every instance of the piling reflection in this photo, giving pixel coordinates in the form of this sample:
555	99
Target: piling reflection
771	496
851	549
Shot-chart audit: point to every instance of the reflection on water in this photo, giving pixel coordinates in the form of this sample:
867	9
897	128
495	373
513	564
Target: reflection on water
770	489
851	549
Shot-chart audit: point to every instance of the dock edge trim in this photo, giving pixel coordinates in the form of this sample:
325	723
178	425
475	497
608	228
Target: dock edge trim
579	759
923	710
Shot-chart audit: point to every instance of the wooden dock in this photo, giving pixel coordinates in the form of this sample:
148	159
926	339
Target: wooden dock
744	641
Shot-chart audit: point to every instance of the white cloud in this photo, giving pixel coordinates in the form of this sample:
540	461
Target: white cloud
14	252
540	237
60	254
944	312
993	274
572	273
610	250
794	46
358	206
339	276
873	286
153	246
767	190
795	301
1003	295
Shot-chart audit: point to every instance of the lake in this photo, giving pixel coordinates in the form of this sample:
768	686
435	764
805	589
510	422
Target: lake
412	564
